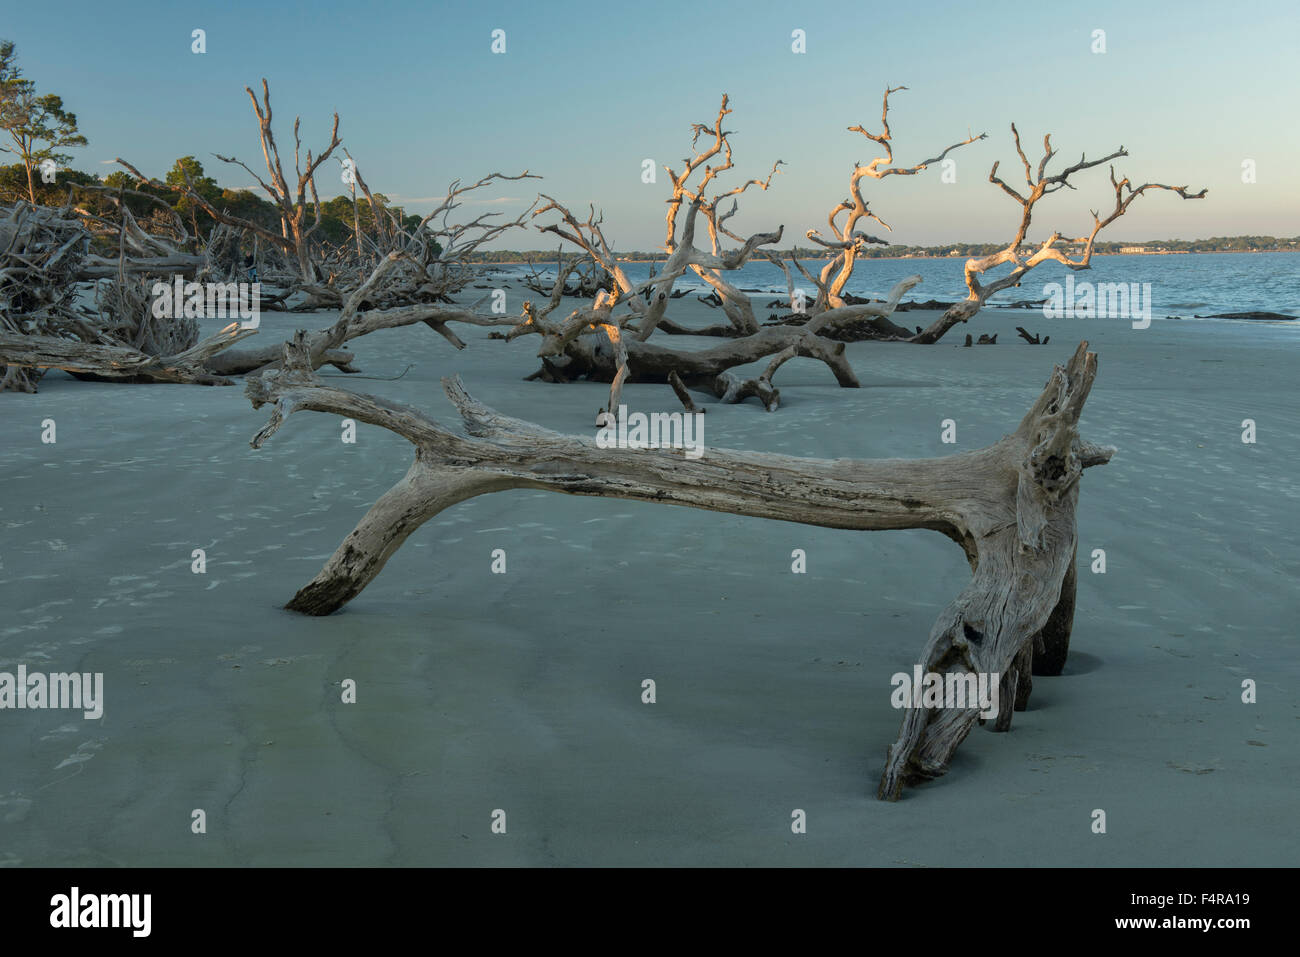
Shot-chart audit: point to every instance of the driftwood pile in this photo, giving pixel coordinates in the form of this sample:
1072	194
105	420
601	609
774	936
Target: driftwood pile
41	254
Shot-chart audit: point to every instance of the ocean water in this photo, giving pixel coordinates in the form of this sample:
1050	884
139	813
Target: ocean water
1182	285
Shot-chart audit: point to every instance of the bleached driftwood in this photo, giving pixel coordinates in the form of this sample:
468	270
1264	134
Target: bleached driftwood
1038	184
121	362
435	252
571	349
294	236
875	312
353	322
648	300
41	253
42	256
139	251
849	241
694	206
1011	507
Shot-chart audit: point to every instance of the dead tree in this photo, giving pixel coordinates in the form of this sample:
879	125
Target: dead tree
45	254
648	300
736	305
140	250
591	279
126	316
41	326
221	259
1010	506
848	240
580	347
424	266
1023	257
435	252
294	238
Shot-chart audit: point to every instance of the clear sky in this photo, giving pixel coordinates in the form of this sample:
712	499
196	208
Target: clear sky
586	91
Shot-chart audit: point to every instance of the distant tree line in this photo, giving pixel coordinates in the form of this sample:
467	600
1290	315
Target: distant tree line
1217	244
336	213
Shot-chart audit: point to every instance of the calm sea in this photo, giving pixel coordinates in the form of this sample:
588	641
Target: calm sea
1181	285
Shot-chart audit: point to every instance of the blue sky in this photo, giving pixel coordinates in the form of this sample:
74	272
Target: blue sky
586	91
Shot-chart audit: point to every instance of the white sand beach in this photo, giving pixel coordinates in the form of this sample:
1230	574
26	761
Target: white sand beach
522	691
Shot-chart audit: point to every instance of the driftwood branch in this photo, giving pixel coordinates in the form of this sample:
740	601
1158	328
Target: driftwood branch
849	241
1011	507
1022	257
120	362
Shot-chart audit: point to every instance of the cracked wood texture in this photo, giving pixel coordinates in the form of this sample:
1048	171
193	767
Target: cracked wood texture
1011	506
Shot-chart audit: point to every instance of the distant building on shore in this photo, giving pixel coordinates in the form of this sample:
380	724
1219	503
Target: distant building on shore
1132	249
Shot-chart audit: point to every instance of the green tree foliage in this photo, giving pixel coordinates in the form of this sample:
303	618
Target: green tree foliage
39	126
205	186
13	185
187	168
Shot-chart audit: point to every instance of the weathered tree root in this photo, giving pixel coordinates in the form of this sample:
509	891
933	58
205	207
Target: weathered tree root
1011	506
590	357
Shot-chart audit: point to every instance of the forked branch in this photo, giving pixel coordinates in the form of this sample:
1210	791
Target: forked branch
1011	506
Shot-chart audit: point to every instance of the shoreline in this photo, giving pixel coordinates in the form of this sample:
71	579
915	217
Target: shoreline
865	259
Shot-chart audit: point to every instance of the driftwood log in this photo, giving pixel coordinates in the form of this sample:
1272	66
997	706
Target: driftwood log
591	357
1011	507
353	323
121	363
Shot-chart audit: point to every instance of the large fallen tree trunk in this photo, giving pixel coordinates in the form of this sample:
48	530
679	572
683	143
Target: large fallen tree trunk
97	267
120	363
592	357
1011	506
